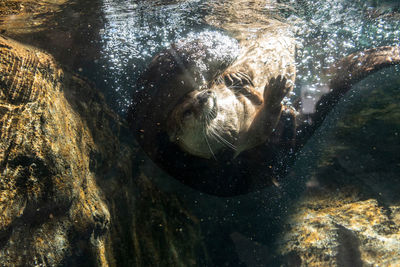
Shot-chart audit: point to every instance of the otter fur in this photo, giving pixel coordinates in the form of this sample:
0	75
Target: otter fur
210	127
206	122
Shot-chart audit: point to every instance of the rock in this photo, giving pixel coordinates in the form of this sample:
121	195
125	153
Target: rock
342	229
349	215
27	16
70	192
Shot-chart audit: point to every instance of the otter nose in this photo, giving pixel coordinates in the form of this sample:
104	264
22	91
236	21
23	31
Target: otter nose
203	96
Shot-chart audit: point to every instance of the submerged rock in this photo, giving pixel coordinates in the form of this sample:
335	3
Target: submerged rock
70	194
350	214
340	228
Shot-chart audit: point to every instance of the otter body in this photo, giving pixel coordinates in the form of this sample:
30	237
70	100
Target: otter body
210	110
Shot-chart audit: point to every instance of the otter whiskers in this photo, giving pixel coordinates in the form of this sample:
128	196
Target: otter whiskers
213	131
218	137
205	137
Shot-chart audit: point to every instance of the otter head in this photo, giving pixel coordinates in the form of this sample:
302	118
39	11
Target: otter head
188	122
205	122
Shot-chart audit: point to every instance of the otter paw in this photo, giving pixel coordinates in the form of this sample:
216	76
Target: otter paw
276	89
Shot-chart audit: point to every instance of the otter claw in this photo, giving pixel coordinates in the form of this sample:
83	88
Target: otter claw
238	79
229	78
246	78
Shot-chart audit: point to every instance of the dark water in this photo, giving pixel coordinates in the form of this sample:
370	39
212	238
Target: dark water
326	31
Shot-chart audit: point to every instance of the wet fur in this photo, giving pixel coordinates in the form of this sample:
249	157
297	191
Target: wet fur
248	95
240	121
255	88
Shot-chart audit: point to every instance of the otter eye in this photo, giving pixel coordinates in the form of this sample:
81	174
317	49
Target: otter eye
187	113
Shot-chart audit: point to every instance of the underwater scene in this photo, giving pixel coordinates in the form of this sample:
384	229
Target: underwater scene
200	133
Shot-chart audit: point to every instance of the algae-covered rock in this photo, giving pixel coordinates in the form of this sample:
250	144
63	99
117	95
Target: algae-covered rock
349	215
27	16
341	228
49	197
70	194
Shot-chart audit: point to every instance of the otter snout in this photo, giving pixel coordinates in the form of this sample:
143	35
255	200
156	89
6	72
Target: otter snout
202	97
206	103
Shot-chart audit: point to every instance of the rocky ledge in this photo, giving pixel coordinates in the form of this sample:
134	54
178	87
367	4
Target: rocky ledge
70	194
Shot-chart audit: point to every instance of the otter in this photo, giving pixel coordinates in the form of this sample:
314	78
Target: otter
208	121
219	122
232	114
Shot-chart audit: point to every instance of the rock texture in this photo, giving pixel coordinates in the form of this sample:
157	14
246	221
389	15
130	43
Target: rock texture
350	214
27	16
70	192
342	229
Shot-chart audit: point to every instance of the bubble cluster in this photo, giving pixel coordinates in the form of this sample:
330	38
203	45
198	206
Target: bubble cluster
326	31
209	52
330	30
133	33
